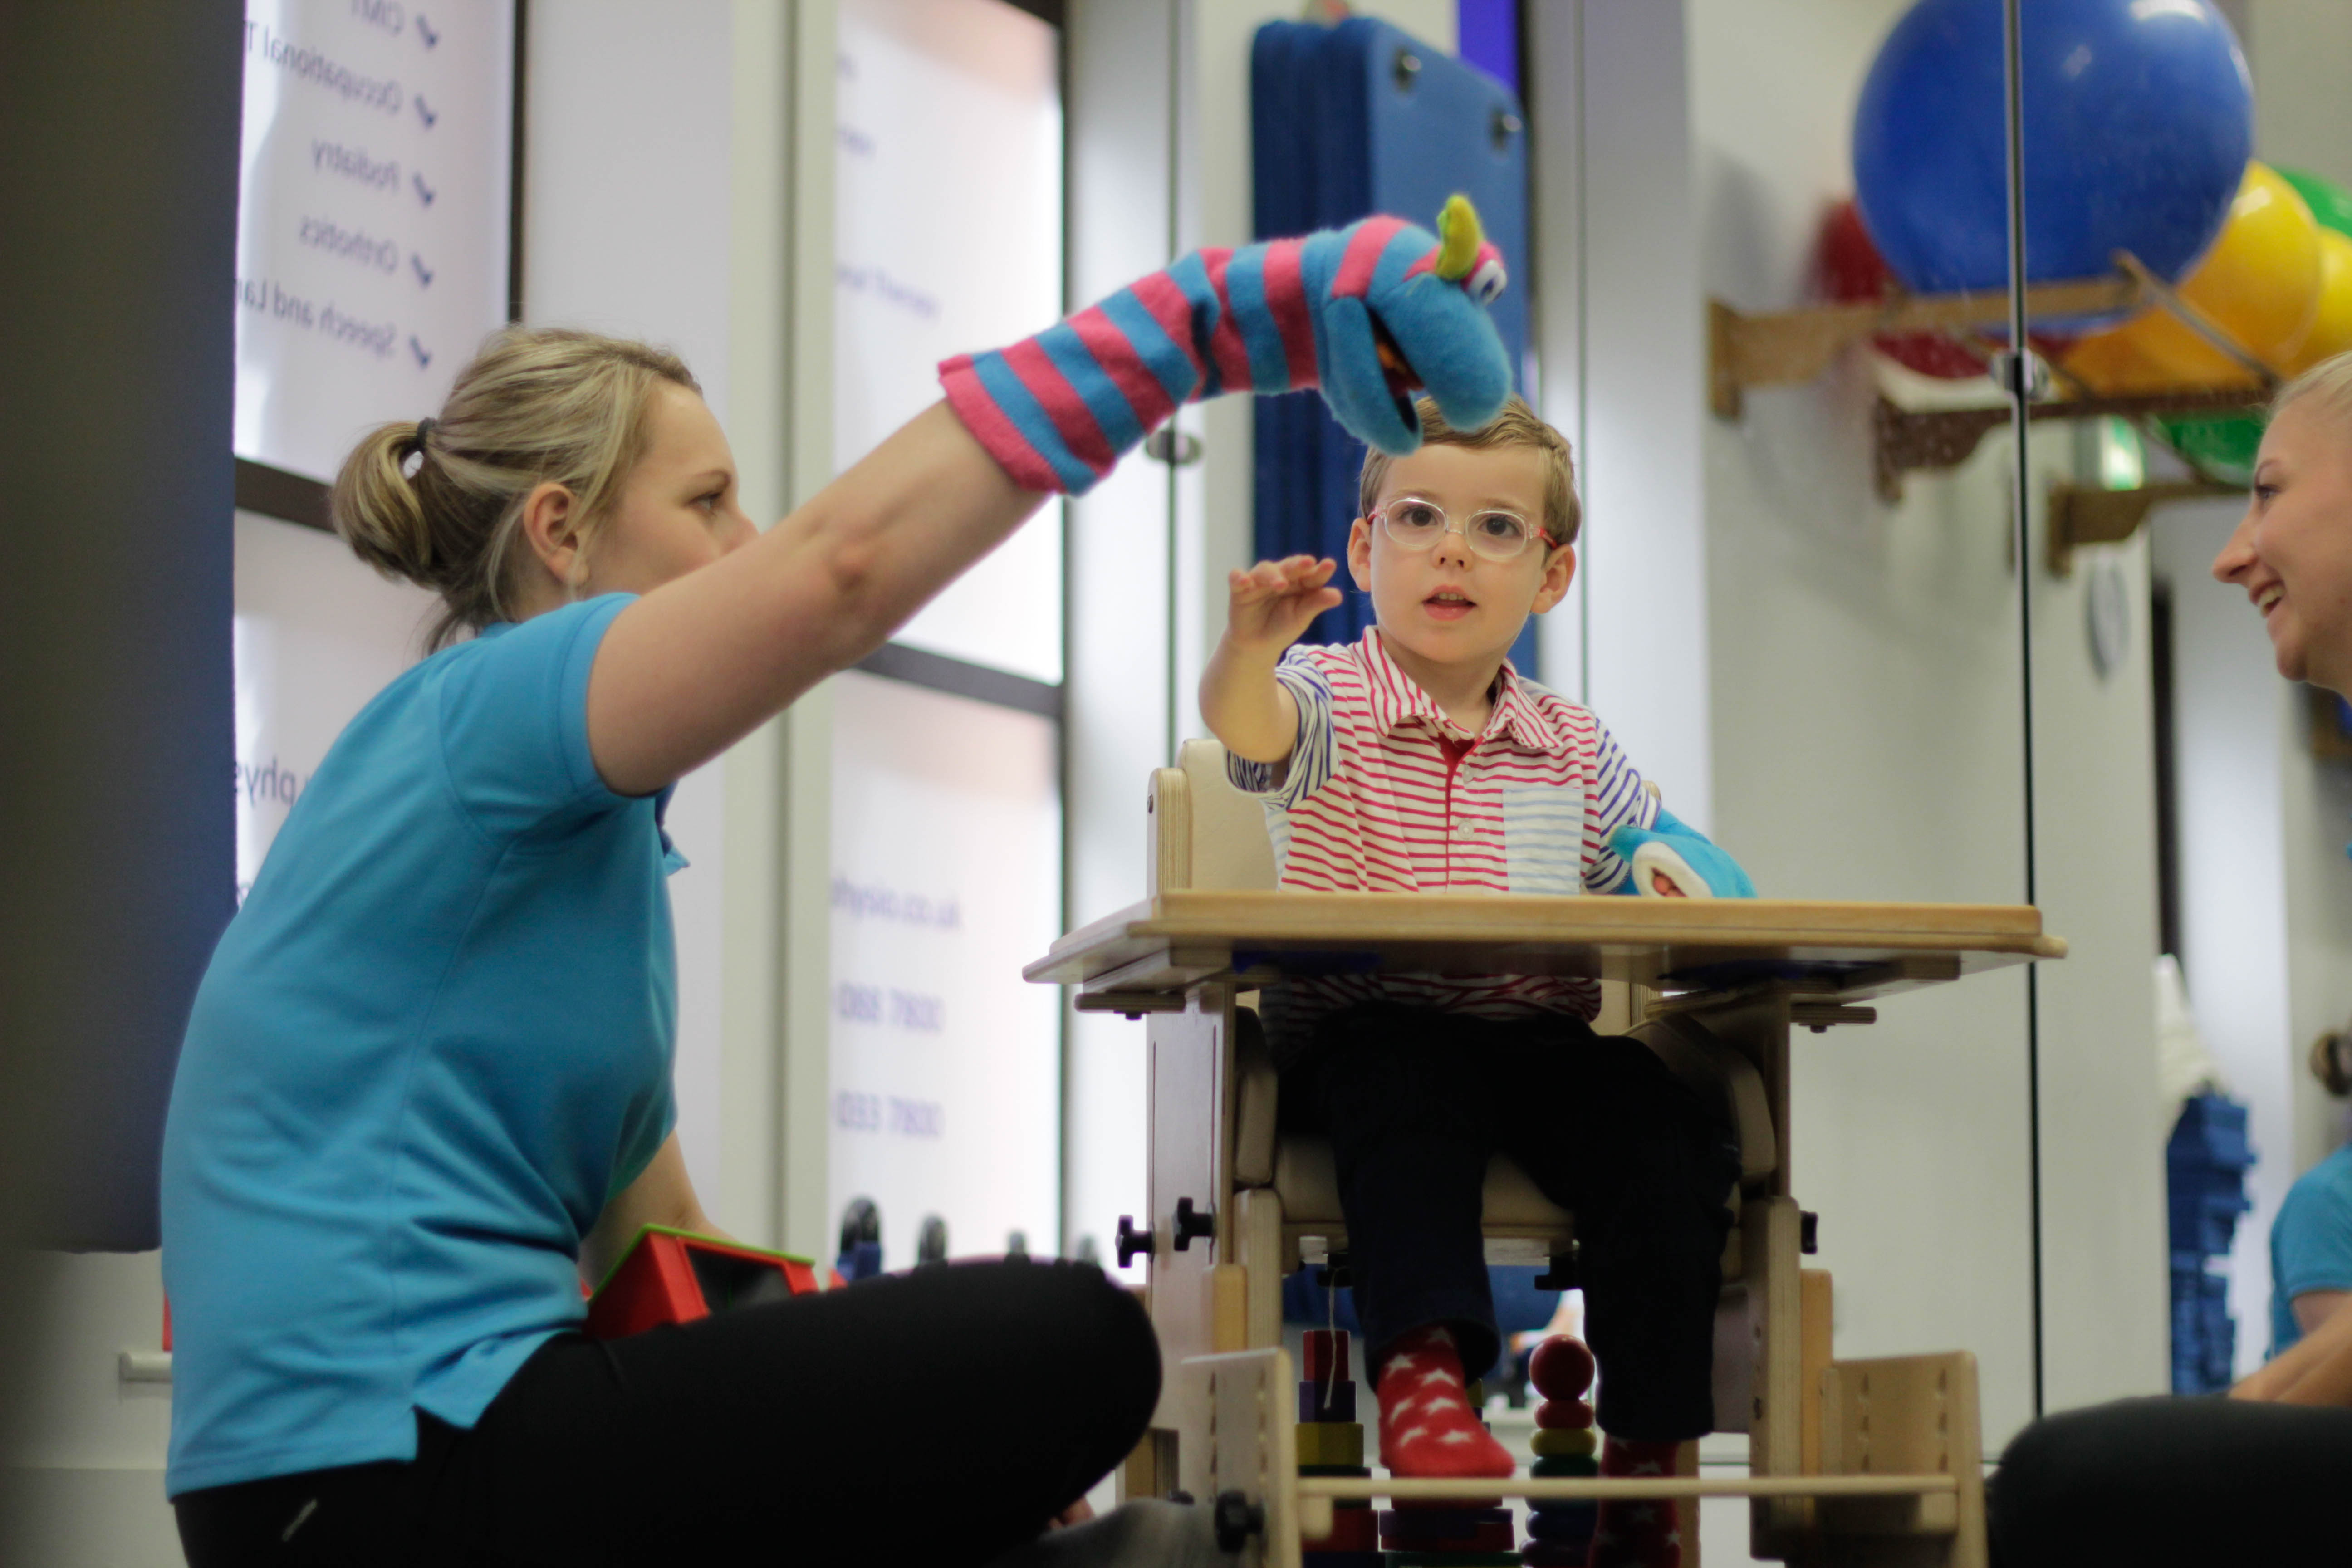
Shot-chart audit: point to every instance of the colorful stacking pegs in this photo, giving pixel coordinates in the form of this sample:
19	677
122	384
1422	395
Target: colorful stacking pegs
1331	1443
1560	1533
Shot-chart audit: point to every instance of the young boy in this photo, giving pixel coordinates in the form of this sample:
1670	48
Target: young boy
1419	760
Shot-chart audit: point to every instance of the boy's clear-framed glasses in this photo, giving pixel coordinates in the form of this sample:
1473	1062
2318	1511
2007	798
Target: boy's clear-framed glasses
1412	523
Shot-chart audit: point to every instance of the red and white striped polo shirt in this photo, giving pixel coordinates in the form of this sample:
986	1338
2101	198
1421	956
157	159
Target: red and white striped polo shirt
1383	792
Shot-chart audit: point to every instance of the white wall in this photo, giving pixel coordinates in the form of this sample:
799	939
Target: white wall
2300	52
2106	1327
1867	729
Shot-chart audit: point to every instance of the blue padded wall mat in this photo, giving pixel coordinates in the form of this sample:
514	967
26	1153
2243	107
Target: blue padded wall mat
1348	121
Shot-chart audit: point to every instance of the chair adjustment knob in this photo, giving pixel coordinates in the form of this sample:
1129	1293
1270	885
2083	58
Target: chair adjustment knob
1809	1232
1191	1226
1131	1241
1562	1274
1237	1519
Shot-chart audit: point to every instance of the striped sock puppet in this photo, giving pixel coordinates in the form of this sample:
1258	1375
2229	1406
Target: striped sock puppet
1369	314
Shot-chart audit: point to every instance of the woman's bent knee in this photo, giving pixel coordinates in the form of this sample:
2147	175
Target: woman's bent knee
1110	1345
1067	1326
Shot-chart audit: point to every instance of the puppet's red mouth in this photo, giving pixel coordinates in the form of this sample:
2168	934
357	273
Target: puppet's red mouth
1398	371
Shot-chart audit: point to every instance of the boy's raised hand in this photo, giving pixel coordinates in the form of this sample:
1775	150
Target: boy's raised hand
1274	601
1243	701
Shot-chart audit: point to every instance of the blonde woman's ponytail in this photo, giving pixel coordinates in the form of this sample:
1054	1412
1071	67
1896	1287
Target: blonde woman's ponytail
439	501
377	509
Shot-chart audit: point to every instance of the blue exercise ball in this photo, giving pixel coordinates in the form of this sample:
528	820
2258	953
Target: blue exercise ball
2138	123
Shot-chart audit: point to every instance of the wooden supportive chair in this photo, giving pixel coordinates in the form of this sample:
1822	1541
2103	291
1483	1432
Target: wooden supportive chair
1850	1462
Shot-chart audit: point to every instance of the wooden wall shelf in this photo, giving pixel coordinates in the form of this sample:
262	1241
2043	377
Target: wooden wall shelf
1907	440
1787	348
2082	514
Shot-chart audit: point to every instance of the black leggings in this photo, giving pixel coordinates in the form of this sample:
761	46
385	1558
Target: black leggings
943	1417
1415	1103
2194	1482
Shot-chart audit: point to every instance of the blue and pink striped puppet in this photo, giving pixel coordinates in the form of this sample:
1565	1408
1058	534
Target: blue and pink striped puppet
1368	313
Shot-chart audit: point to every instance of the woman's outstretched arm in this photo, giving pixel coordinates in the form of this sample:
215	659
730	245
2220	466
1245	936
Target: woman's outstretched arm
2315	1369
1368	313
702	662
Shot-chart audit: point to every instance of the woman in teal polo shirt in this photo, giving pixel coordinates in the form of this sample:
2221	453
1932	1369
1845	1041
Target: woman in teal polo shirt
425	1084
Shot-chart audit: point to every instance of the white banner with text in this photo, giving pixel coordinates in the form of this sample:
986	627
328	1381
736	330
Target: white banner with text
374	216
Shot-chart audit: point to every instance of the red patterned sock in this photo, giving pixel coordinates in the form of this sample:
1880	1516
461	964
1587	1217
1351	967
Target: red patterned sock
1427	1427
1637	1532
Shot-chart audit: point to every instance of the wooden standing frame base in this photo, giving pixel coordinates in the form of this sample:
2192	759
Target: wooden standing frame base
1861	1463
1912	1418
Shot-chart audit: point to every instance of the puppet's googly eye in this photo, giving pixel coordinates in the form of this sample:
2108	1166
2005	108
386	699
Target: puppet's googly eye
1485	285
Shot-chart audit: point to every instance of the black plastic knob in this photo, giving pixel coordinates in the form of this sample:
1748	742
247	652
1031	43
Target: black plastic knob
1191	1225
1237	1519
1562	1275
1131	1241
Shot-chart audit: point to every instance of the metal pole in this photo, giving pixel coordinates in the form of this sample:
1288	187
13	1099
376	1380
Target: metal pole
2017	374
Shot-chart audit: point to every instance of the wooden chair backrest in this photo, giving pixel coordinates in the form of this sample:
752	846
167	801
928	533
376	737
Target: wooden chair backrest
1206	834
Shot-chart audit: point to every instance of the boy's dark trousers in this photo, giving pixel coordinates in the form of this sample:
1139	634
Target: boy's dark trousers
1415	1101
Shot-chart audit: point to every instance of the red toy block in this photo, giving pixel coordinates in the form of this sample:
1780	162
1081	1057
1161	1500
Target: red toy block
675	1276
1327	1355
1353	1529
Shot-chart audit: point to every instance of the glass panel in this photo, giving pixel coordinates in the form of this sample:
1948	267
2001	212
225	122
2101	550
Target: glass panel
2160	685
946	825
1863	664
948	238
